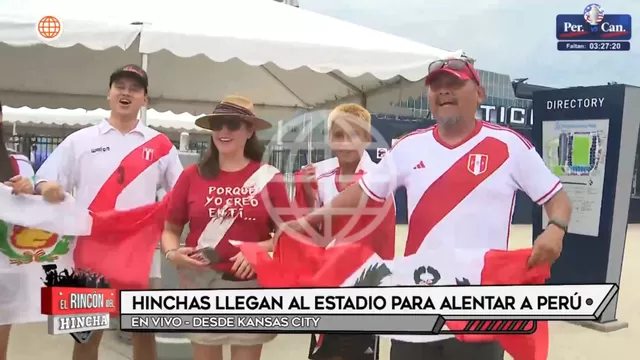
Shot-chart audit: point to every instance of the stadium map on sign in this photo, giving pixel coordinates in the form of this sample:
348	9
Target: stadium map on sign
575	151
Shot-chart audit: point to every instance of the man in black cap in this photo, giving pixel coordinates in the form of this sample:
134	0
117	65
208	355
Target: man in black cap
117	164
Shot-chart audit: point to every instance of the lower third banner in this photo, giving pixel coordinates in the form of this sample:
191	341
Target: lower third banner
377	324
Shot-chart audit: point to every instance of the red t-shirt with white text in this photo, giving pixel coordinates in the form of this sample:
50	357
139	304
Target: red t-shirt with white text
197	200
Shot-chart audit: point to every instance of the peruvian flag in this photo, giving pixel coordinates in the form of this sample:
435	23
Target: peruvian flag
42	250
297	262
116	245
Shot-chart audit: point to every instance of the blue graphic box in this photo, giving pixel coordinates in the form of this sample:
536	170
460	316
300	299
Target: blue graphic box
614	27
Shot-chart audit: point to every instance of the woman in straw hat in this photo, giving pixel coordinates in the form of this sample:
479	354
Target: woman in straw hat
229	196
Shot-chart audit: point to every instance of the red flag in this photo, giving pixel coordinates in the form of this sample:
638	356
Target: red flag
299	263
122	243
376	230
510	268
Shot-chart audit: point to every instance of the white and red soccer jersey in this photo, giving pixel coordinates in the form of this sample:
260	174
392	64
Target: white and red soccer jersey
105	169
461	197
108	170
376	226
326	177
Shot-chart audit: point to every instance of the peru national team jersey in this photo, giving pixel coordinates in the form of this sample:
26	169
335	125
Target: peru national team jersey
461	198
326	172
378	229
105	169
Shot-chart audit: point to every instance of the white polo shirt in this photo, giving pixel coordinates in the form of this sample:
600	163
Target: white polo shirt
460	199
84	161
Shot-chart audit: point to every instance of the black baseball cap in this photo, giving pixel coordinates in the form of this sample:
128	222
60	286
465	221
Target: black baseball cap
131	71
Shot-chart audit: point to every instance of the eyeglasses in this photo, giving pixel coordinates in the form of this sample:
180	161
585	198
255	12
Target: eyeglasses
454	64
232	124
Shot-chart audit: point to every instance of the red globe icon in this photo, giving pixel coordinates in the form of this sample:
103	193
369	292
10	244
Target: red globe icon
49	27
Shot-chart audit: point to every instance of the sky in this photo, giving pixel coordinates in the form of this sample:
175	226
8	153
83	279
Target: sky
515	37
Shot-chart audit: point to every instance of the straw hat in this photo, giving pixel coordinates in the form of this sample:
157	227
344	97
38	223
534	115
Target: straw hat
234	106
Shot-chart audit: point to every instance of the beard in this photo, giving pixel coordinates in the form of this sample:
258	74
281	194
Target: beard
448	121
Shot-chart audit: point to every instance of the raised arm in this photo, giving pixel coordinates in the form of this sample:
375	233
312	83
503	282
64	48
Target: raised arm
377	184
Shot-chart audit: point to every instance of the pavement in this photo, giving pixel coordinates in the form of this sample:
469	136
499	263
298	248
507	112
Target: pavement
568	342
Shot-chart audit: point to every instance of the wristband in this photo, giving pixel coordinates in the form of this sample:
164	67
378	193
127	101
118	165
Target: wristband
561	224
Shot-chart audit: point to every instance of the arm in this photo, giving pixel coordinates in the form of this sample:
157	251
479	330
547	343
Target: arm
534	178
58	168
278	206
177	215
172	170
377	184
170	240
23	182
305	188
558	208
177	218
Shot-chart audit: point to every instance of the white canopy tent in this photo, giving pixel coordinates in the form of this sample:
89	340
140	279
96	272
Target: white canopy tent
81	117
283	58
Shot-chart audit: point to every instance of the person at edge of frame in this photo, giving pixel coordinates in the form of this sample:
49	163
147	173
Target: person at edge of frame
16	172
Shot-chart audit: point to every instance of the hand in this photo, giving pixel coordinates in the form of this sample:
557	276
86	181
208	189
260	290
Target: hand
51	192
547	247
182	258
301	230
290	227
241	267
20	184
308	173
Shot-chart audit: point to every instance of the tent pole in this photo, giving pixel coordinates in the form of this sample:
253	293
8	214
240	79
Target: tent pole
143	110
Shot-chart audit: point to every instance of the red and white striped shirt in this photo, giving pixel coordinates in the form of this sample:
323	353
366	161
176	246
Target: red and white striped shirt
460	198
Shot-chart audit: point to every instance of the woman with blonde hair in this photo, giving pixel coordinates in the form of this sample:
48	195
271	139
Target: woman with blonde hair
231	195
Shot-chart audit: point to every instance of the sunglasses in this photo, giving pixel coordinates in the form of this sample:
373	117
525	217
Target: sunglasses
454	64
232	124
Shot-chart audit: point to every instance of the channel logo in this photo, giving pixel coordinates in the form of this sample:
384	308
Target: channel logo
593	24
